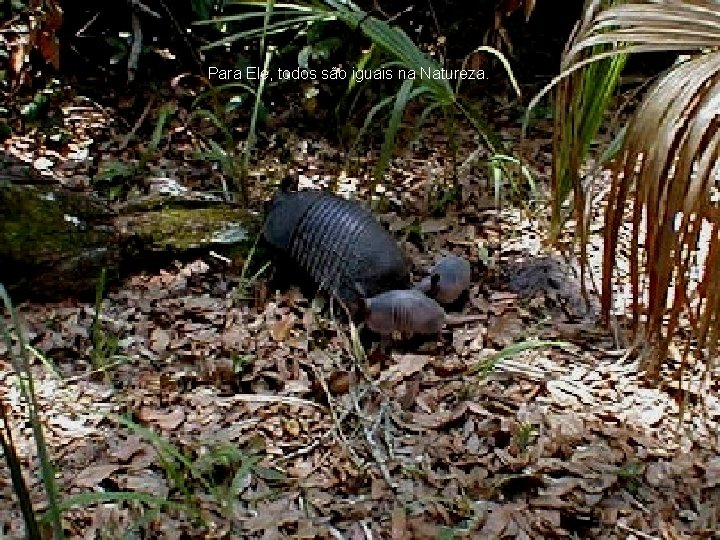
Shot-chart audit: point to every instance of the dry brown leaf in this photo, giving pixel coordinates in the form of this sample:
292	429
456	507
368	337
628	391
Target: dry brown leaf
570	392
281	329
91	476
506	329
128	448
398	524
712	473
165	420
159	340
560	487
477	409
497	521
440	419
148	482
658	474
291	426
407	365
409	392
49	46
339	382
301	469
430	226
70	427
566	426
422	529
19	53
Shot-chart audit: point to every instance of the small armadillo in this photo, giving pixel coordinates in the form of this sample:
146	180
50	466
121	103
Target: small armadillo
408	311
448	279
343	247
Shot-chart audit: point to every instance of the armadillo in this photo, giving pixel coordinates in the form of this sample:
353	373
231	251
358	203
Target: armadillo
340	244
407	311
448	279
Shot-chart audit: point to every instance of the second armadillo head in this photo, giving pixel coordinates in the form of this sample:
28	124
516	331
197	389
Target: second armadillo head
408	311
448	279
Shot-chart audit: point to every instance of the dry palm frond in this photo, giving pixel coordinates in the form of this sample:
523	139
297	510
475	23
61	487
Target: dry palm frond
669	157
664	175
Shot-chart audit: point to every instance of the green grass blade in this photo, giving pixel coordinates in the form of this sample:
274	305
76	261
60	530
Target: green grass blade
402	98
18	482
86	499
488	364
27	388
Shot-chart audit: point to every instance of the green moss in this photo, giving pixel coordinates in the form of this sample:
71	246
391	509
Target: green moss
189	228
35	222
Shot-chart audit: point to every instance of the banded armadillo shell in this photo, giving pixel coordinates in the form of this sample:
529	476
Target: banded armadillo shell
407	311
448	279
340	244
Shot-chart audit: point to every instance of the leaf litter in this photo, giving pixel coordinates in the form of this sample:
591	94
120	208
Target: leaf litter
286	432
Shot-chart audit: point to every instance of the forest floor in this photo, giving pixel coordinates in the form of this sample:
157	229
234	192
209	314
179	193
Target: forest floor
218	408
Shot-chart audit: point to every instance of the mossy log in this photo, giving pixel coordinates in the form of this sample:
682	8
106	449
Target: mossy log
55	243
